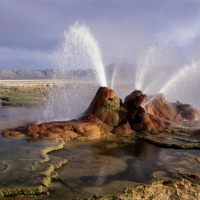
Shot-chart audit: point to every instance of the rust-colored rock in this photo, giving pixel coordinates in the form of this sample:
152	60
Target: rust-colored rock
159	107
66	130
10	133
134	100
158	114
124	129
103	94
107	115
45	126
32	129
187	111
107	107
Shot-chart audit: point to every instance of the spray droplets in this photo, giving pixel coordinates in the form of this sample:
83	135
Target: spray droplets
80	50
145	65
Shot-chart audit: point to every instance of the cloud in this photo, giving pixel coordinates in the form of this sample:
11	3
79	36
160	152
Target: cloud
122	28
183	34
28	58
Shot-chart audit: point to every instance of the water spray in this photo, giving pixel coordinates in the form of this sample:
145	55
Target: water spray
81	48
113	78
180	75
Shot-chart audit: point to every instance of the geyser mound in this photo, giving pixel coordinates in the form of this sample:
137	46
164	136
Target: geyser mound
108	115
106	106
137	113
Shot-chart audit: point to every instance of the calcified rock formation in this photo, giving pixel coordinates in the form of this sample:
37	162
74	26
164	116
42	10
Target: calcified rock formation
137	113
107	115
107	107
187	111
158	114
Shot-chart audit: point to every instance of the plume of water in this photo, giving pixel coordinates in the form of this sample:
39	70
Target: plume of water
144	65
184	84
153	84
80	49
145	103
113	78
69	95
151	65
181	75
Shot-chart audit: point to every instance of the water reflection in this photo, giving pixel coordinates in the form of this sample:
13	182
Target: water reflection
101	166
139	156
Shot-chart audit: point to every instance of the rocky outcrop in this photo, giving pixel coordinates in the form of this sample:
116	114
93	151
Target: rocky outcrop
159	114
139	112
187	111
134	100
65	130
107	115
107	107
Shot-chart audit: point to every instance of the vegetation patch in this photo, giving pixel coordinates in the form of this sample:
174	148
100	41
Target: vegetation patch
23	95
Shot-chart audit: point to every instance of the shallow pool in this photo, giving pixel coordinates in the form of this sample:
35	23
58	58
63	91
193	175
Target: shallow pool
105	166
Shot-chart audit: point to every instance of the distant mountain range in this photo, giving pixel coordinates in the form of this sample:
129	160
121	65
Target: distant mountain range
122	69
44	74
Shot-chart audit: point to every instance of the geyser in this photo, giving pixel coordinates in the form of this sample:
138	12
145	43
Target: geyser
145	65
156	72
81	48
181	75
113	77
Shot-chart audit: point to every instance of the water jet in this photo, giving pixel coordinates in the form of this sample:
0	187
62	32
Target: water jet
80	49
113	77
180	76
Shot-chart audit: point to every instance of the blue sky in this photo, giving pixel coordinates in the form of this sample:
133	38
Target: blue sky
31	31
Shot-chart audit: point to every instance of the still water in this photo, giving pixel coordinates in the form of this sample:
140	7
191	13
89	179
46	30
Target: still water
109	166
105	166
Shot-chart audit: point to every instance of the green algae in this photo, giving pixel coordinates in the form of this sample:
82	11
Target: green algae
26	167
105	159
22	95
23	191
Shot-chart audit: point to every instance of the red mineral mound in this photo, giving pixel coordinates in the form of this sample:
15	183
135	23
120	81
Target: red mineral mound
107	107
159	114
187	111
107	115
150	113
